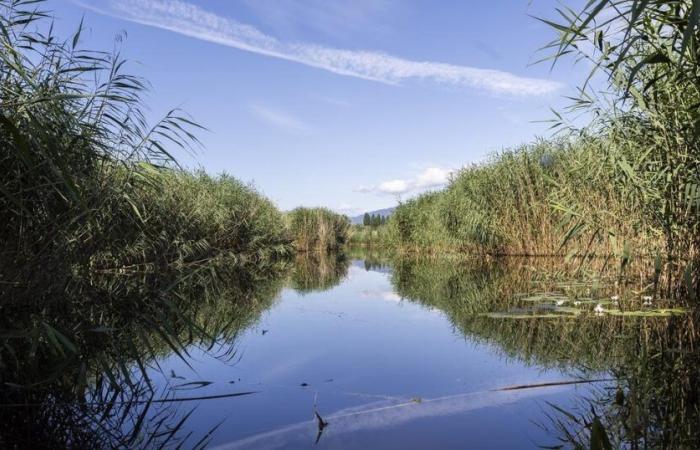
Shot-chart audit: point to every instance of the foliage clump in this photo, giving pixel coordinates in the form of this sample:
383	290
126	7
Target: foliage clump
318	229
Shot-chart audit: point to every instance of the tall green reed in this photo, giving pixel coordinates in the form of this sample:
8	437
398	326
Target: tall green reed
110	255
317	229
509	204
643	95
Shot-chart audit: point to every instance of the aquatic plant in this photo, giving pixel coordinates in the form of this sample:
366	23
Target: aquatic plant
368	236
110	255
317	229
624	186
642	95
89	185
508	204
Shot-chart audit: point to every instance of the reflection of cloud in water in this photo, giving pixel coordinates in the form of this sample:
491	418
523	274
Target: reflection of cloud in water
385	295
288	365
385	414
354	272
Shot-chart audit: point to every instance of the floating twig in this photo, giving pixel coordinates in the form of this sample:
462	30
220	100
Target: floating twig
551	383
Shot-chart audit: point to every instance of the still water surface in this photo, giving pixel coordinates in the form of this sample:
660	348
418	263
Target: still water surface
383	370
390	351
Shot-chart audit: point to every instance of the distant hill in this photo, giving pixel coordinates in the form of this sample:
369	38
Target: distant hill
386	212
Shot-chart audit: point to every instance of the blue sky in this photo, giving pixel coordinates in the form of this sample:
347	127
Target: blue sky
348	105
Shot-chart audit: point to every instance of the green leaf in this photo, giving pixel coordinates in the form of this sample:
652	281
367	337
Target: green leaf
599	438
690	29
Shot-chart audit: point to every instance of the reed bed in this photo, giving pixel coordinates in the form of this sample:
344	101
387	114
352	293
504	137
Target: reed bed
89	185
645	55
368	236
510	205
111	255
318	229
624	185
189	217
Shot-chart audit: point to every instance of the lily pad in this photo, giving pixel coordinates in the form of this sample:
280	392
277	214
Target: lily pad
662	312
520	315
545	297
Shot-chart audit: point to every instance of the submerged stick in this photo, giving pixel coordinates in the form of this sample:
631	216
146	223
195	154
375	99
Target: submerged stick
551	383
139	402
207	397
322	424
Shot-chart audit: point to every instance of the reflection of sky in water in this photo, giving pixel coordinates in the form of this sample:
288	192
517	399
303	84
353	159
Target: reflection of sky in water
377	416
382	370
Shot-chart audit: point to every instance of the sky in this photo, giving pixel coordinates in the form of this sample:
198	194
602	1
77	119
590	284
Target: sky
351	105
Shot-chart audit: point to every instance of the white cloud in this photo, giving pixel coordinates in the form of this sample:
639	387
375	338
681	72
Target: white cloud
431	177
394	186
279	119
190	20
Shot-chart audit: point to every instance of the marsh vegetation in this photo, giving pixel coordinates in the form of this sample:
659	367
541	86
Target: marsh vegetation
318	229
130	385
111	253
625	185
120	271
649	399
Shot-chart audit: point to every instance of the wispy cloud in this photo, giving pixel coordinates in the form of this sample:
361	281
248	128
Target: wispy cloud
279	119
190	20
431	177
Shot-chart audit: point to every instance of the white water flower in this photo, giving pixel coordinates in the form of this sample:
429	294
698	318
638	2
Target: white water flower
560	302
577	303
615	298
646	300
599	309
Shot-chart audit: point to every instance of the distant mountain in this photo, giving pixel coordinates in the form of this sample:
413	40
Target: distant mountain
386	212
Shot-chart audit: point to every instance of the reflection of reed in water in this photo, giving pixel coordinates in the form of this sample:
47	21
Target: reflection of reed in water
468	289
80	380
655	402
318	271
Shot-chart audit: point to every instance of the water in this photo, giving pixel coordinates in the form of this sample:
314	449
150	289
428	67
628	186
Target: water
391	353
381	369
